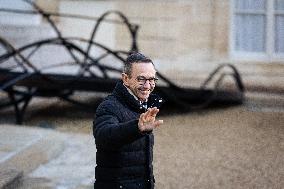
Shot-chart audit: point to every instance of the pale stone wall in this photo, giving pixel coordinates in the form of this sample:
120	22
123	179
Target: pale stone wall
48	5
169	30
159	27
195	29
12	19
186	38
83	28
221	29
181	28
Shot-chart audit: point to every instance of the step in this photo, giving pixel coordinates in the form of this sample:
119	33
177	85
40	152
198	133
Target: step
265	101
23	149
10	178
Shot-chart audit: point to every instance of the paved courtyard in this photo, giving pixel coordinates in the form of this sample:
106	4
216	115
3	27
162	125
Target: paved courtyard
236	147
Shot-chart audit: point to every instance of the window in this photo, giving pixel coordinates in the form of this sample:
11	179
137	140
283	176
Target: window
257	29
279	26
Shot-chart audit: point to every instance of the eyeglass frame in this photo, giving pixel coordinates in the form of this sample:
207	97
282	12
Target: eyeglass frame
143	80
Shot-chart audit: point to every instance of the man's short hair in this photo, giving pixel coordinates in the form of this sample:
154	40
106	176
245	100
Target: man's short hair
134	58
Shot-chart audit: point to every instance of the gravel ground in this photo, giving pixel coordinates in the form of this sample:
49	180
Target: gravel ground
237	147
230	148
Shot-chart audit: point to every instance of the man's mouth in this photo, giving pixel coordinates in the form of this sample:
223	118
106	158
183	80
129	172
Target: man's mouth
143	91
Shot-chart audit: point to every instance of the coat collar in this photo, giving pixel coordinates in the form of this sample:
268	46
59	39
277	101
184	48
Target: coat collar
121	92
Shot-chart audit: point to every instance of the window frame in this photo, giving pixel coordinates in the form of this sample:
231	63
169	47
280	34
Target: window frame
269	54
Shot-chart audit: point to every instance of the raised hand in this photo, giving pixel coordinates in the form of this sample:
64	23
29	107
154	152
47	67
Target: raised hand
147	120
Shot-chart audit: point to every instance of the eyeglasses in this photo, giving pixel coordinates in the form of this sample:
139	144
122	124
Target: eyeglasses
142	80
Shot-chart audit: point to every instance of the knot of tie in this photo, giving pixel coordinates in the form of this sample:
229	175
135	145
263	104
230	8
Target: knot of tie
144	105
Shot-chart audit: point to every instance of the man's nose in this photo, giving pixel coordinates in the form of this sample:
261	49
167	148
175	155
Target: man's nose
147	84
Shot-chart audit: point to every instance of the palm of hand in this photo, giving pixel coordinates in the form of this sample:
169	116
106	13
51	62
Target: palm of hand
147	120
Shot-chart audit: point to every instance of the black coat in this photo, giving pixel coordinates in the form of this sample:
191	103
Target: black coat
124	154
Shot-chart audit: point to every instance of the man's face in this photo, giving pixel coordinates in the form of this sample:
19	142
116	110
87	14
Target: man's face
141	82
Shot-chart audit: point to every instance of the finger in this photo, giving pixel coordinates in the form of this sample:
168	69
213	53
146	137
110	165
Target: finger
148	112
148	116
141	115
142	118
158	123
154	112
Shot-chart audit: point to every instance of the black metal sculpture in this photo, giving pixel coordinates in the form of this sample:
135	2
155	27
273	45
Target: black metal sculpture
24	80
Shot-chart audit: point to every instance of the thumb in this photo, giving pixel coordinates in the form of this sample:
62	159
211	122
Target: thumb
158	123
142	117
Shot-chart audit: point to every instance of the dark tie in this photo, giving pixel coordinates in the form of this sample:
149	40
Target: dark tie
144	105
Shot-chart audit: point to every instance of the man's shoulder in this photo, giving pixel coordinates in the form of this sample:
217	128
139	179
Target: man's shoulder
109	104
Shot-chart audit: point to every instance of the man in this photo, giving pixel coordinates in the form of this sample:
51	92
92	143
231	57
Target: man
123	128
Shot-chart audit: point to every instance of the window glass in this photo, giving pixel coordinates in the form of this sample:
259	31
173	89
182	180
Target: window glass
250	33
279	5
279	34
250	4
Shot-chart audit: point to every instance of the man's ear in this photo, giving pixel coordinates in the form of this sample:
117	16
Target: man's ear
125	79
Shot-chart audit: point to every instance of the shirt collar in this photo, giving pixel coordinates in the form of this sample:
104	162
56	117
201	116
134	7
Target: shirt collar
135	97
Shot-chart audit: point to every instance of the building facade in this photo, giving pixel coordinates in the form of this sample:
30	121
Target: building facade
189	38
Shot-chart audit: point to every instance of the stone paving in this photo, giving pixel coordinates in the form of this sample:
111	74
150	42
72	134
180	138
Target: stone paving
75	165
10	146
37	158
20	145
49	159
